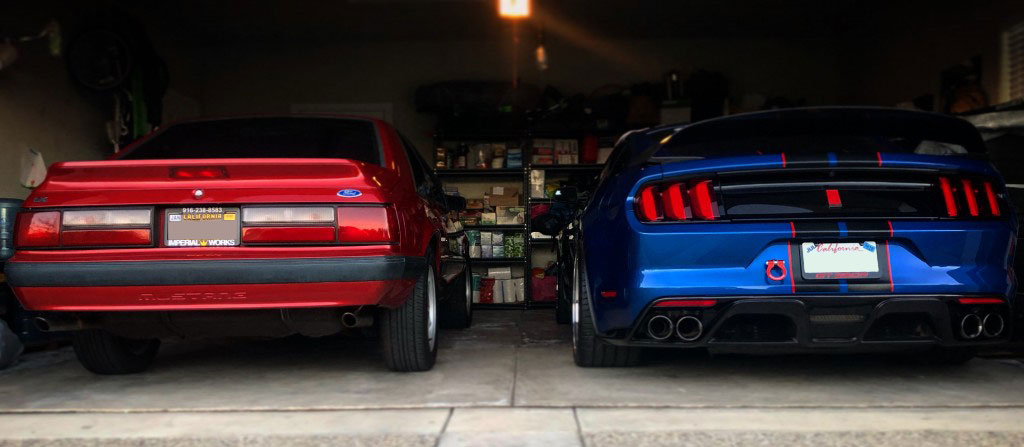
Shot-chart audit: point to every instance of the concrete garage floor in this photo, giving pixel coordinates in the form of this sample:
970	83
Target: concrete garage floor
509	380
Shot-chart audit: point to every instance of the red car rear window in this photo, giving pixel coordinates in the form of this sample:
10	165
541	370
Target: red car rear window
353	139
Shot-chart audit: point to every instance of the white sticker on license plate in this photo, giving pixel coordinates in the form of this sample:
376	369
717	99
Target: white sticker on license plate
833	260
202	227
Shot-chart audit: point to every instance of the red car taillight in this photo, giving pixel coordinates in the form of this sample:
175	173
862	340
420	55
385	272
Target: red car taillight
365	224
993	201
677	201
38	229
106	228
84	228
291	235
951	195
106	238
288	225
309	224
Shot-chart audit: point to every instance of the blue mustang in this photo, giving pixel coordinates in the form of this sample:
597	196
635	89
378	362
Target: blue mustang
822	229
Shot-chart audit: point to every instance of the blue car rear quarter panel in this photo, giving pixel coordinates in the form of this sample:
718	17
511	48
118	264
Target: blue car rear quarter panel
643	262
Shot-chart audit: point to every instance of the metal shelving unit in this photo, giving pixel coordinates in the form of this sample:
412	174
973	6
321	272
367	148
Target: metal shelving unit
521	227
474	173
513	173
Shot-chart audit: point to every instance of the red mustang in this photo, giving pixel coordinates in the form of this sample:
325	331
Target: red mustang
244	227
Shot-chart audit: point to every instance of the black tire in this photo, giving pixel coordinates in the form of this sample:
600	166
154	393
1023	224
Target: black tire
405	331
10	346
104	353
588	349
949	355
457	308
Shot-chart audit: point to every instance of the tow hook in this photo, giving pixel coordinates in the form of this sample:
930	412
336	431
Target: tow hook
773	266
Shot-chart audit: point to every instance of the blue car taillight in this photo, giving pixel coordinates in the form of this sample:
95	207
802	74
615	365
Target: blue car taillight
677	201
951	193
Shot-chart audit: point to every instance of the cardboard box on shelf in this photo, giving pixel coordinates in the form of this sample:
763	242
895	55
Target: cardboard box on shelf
486	237
499	272
510	215
537	183
567	152
497	238
503	196
498	251
543	159
488	218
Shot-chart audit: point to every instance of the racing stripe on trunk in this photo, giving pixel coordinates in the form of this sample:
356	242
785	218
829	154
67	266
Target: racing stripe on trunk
815	230
867	160
807	160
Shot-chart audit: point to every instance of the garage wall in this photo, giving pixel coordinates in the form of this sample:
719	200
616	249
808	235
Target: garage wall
897	51
267	79
40	109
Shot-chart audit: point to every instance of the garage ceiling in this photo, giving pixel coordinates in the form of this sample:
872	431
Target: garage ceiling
265	20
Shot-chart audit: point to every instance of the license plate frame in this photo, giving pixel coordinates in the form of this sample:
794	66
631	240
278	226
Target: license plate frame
208	226
829	261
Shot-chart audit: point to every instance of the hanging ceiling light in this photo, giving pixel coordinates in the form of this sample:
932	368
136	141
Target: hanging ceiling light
541	53
514	9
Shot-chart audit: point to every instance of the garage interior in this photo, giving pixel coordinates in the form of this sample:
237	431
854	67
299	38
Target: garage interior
467	86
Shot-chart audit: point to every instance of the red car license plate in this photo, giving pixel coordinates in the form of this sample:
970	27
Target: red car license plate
202	227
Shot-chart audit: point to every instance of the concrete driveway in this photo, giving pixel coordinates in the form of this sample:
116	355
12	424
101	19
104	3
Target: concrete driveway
509	380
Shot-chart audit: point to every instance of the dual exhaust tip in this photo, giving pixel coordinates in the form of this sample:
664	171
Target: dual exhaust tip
687	328
973	326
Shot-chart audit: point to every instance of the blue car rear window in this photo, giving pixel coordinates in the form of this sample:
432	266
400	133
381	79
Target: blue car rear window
818	131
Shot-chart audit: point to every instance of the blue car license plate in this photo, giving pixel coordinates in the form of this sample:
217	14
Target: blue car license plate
839	260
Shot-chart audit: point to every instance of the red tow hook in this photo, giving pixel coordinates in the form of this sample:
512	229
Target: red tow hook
771	266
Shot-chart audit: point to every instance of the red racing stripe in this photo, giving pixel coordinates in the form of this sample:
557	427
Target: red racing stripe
888	260
789	253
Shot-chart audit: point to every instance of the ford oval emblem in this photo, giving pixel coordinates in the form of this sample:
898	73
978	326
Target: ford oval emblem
350	193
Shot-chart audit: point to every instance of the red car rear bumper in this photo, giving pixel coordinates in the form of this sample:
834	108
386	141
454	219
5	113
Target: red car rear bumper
214	284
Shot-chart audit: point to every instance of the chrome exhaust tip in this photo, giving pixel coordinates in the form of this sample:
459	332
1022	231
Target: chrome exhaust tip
971	326
659	327
352	320
993	325
45	324
689	328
